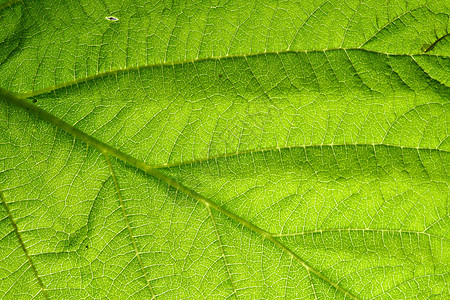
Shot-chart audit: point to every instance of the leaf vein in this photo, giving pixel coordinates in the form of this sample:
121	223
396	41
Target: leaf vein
223	252
22	245
268	149
107	150
122	206
399	231
211	58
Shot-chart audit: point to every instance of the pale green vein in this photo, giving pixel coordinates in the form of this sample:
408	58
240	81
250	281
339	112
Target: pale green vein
212	58
108	150
375	230
27	255
268	149
124	213
222	252
391	22
312	286
415	278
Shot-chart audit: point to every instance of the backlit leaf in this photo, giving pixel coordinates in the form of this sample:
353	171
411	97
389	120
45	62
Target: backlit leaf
224	149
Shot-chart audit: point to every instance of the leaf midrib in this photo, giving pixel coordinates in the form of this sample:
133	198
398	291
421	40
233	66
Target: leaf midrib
101	75
107	150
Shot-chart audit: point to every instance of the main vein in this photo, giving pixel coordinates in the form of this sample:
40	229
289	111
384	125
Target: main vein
108	150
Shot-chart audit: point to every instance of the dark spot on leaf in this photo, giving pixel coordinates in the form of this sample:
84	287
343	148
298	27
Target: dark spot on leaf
220	75
426	48
87	246
34	100
111	18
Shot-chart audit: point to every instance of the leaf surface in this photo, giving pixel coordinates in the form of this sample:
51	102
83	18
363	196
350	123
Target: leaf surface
224	149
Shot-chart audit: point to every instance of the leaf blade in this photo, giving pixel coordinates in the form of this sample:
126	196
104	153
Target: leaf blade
318	133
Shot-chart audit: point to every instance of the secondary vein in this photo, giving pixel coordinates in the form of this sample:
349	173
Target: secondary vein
195	60
374	230
125	216
22	245
268	149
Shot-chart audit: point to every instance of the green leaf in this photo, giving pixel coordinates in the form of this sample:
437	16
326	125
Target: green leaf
224	149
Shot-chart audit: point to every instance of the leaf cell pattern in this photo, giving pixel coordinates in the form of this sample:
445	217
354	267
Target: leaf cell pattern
224	149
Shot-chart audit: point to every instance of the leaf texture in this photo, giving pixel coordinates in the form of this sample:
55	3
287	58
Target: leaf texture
224	149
